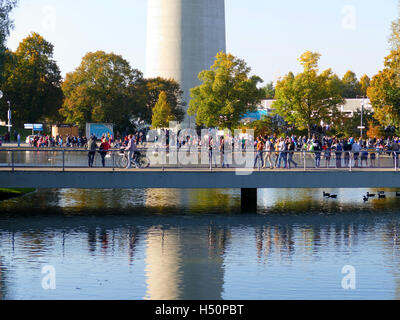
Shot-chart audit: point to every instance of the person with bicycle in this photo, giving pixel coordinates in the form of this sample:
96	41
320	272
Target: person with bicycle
133	153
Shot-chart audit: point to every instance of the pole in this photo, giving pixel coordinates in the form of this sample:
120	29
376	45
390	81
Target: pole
12	160
362	114
350	164
63	160
9	116
113	159
162	160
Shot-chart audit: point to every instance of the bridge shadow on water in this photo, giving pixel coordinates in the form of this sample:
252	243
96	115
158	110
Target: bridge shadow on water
198	203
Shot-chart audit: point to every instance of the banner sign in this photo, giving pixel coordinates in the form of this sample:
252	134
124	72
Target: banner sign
99	129
34	127
37	127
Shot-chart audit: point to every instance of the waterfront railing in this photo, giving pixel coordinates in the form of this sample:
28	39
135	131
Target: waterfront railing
201	158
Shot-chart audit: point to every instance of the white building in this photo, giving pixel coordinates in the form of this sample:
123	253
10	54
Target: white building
349	107
183	38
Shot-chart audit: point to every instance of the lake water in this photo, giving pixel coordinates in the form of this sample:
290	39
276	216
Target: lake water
195	244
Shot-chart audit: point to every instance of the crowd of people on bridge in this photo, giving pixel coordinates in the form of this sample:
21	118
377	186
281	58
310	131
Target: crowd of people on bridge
128	144
270	151
68	141
276	152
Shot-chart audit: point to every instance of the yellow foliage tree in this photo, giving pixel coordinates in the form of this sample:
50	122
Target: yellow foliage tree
162	112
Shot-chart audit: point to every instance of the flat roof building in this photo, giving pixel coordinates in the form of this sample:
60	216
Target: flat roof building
349	107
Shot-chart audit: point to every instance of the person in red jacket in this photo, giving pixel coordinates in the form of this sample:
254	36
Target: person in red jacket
104	147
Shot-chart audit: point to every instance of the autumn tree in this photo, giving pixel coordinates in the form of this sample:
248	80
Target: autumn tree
375	130
384	92
394	39
6	24
226	94
99	90
310	97
162	112
365	82
149	90
32	82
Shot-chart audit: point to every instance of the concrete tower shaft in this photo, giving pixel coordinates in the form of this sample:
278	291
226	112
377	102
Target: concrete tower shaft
183	38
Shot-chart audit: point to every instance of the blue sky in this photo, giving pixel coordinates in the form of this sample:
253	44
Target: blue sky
269	35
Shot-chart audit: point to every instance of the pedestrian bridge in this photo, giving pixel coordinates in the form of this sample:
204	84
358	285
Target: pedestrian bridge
68	168
197	178
59	169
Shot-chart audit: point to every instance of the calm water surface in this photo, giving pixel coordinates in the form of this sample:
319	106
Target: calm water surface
194	244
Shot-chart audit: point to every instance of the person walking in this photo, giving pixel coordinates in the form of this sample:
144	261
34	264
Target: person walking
92	147
132	151
282	153
327	154
338	153
103	150
269	148
372	148
347	150
317	153
211	154
260	150
19	140
355	149
222	152
396	150
276	148
291	148
364	154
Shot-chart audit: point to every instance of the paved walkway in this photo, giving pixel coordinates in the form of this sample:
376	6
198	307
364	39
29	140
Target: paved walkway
36	169
14	145
98	178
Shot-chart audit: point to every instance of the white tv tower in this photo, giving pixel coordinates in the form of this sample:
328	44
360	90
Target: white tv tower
183	38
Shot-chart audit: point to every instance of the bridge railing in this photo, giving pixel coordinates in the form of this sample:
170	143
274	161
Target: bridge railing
196	158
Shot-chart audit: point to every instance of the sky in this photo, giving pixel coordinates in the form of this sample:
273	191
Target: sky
269	35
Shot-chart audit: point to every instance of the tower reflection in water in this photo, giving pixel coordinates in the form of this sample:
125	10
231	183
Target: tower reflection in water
180	264
185	264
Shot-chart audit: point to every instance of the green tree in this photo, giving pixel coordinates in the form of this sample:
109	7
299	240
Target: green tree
349	125
100	90
384	92
149	91
32	82
309	97
226	94
268	125
269	90
162	112
351	87
6	24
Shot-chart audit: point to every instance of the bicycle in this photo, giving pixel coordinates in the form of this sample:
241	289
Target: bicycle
142	162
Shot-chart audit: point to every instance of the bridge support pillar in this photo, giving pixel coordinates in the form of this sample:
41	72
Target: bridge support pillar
249	200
